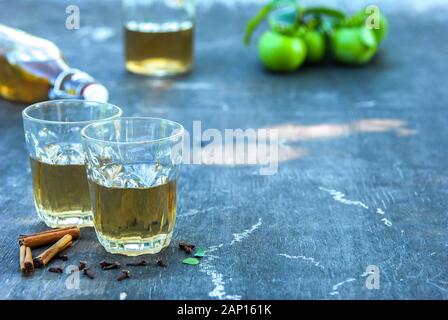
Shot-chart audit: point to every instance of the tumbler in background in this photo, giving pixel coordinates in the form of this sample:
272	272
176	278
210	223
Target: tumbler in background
132	169
53	138
159	36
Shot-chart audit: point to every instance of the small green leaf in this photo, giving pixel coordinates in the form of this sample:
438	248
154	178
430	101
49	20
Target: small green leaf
283	2
255	21
284	21
199	253
262	14
191	261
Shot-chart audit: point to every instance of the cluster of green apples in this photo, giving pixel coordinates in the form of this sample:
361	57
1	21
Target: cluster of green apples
312	35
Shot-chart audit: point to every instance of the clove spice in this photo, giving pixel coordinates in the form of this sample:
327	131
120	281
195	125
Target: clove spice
187	247
109	265
26	261
88	273
82	265
56	270
124	275
161	263
141	263
62	257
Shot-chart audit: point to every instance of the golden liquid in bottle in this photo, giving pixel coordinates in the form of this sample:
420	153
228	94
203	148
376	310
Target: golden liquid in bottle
30	66
133	221
61	193
25	82
159	49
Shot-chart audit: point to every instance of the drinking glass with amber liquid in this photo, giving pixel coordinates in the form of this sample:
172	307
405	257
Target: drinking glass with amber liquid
158	36
132	170
53	138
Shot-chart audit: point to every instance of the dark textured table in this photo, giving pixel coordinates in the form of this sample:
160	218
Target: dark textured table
363	181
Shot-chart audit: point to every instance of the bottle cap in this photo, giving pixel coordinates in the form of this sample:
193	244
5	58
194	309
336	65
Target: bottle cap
95	92
75	84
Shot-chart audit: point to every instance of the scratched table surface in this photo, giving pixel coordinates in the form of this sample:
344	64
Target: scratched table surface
362	173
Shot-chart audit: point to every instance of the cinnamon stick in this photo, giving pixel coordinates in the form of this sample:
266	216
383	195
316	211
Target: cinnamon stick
26	261
47	255
22	257
47	237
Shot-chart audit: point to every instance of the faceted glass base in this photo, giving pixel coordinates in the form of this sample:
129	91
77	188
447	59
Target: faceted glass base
67	219
135	246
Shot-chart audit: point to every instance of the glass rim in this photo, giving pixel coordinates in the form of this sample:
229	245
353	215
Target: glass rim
84	136
26	116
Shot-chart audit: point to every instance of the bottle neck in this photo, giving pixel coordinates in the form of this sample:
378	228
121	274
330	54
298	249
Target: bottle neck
75	84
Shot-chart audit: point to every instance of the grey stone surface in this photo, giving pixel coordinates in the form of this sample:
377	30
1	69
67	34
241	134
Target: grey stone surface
307	232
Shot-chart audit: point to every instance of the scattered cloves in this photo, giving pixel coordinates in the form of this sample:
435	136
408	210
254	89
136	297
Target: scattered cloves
124	274
161	263
82	265
109	265
56	270
88	273
187	247
62	257
138	264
